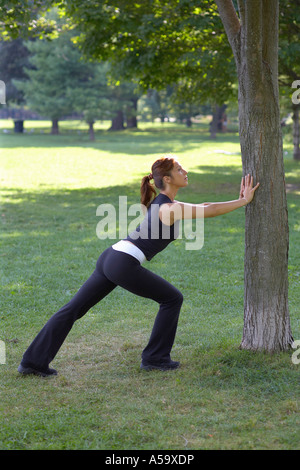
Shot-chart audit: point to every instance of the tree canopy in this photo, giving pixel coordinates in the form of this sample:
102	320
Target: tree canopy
160	43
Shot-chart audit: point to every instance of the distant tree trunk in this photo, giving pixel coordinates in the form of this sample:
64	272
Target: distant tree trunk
213	125
254	41
131	122
19	126
117	122
131	118
54	129
216	123
296	136
91	130
188	121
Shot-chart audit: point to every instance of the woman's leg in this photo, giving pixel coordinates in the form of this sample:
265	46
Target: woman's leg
113	268
48	341
124	270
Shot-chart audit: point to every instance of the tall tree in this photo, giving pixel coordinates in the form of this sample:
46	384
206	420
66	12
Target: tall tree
89	94
54	66
13	59
253	36
123	95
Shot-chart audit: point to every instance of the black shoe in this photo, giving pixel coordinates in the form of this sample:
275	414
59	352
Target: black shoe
171	365
30	370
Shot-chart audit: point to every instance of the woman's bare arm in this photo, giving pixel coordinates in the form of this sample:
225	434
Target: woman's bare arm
169	213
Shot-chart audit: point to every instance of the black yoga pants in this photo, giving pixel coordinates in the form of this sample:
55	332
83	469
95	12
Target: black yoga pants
113	268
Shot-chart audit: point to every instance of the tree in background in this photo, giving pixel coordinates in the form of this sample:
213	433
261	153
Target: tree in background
55	64
89	99
159	42
124	97
89	94
13	60
180	44
59	83
14	57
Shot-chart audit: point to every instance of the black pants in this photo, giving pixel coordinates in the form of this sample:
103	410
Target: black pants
113	268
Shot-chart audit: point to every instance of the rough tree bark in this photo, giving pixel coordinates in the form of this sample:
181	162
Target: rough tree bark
253	36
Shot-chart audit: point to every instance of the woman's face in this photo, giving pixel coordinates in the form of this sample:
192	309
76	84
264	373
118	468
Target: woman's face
179	176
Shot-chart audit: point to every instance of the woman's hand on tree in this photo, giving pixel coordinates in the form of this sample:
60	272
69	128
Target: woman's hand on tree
247	191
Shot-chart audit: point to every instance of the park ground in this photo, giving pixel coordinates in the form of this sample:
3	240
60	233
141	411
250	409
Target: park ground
221	397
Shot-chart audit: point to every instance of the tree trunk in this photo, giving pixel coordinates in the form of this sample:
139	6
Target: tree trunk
296	152
54	130
213	125
131	122
188	122
117	122
91	130
131	119
19	126
254	40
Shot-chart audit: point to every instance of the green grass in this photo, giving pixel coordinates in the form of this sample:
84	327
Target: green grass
221	397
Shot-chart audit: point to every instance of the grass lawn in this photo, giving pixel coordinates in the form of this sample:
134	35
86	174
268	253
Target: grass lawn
221	397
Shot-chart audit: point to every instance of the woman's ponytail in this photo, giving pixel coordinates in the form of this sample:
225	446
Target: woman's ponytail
147	190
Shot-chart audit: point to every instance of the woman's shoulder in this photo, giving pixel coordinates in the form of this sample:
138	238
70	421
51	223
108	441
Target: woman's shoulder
161	199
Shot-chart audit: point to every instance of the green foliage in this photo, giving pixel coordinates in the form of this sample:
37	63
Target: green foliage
59	82
160	43
55	66
13	60
89	94
26	18
156	43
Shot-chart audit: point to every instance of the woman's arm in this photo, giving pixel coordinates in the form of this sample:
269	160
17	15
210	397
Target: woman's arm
169	213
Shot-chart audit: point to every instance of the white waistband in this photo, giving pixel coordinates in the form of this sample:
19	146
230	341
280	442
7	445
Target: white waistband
129	248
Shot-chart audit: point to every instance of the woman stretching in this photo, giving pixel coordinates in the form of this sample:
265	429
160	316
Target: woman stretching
121	265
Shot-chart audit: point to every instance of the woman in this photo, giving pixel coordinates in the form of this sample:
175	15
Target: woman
121	265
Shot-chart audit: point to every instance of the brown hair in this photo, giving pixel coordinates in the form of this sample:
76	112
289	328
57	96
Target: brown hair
160	168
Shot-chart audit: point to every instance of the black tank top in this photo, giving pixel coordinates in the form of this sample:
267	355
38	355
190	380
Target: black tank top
152	236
